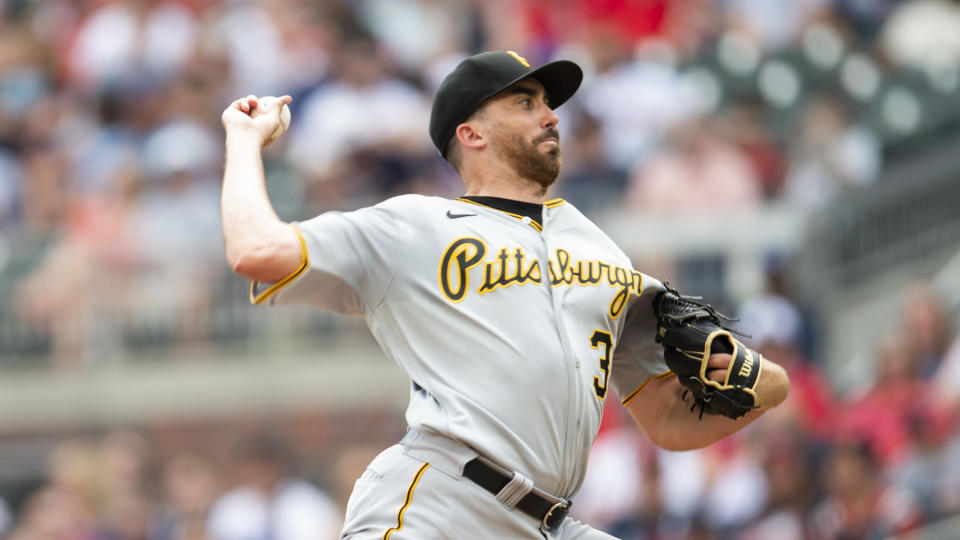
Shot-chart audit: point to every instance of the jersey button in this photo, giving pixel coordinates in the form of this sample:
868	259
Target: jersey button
526	220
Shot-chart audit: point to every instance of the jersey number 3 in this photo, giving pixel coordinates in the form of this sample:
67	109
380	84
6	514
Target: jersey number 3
599	338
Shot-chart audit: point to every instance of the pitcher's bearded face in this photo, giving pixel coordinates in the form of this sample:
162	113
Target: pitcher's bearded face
524	131
537	159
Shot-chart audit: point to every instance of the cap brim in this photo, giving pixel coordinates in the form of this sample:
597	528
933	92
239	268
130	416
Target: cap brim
560	79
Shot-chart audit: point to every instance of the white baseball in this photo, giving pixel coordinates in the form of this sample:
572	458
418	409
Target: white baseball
262	105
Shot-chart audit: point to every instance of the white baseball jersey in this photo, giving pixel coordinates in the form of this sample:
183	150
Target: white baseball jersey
512	331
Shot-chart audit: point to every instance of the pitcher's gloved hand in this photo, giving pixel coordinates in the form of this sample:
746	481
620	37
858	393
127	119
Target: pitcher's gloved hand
690	332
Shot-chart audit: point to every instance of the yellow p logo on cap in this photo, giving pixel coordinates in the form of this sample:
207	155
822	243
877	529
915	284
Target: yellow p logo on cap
519	58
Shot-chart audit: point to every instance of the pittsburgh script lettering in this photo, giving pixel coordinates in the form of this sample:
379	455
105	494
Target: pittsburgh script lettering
509	267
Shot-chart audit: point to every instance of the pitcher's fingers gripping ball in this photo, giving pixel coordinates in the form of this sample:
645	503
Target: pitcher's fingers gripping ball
274	107
696	343
268	115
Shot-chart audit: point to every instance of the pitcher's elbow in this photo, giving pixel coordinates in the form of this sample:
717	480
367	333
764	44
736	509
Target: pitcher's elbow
242	265
667	438
782	391
270	260
252	262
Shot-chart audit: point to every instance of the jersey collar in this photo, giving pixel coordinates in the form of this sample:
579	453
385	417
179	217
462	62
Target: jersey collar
517	209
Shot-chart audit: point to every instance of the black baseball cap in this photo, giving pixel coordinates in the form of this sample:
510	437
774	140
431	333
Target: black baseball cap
482	76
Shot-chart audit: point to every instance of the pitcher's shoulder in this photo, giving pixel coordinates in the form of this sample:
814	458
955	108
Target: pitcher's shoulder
413	203
566	211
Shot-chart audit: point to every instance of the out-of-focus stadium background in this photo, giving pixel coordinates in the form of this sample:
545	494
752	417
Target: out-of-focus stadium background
797	162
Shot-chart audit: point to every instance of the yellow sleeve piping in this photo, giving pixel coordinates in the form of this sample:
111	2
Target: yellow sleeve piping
633	394
257	299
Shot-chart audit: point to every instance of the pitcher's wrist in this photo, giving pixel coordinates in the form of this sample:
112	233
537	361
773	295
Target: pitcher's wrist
241	135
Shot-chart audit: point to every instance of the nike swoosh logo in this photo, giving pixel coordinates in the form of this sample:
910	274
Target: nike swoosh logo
451	215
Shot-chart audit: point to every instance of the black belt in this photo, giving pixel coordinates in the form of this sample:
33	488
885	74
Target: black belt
548	512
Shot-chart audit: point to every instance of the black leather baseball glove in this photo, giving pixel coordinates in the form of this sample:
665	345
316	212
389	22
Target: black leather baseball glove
690	332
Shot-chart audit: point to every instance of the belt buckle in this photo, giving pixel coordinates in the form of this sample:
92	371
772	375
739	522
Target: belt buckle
558	510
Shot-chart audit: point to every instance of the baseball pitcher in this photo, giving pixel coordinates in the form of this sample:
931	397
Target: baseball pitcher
514	316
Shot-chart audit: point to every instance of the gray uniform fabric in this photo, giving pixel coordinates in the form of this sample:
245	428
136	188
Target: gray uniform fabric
511	335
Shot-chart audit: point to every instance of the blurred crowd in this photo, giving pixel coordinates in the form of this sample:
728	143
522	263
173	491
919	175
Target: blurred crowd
117	487
110	158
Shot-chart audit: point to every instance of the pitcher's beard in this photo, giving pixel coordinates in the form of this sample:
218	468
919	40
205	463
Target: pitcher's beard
528	162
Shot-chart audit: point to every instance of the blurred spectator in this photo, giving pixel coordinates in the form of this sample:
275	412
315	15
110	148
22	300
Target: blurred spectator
123	37
646	520
790	480
829	154
947	378
124	459
46	195
103	150
177	214
744	125
416	32
859	502
362	132
72	465
635	99
928	465
696	172
791	321
180	161
948	502
682	480
736	490
774	25
124	508
587	179
771	320
270	501
128	518
881	416
190	487
53	513
24	81
926	328
865	17
616	473
307	31
248	35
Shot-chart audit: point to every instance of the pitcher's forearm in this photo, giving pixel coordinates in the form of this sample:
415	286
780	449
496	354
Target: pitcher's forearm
669	422
258	244
246	208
